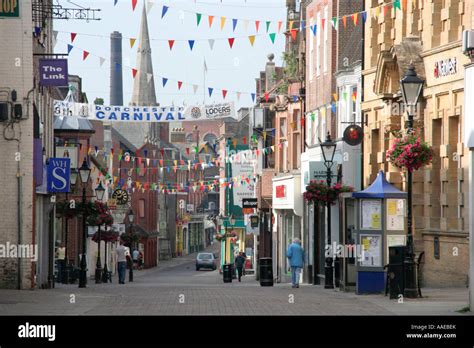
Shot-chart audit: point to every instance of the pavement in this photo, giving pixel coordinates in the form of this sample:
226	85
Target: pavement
176	288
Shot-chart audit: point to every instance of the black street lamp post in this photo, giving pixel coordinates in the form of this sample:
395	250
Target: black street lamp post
411	86
105	271
84	173
328	148
100	191
131	216
72	181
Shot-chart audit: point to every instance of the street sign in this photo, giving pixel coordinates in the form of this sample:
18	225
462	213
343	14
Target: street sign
58	174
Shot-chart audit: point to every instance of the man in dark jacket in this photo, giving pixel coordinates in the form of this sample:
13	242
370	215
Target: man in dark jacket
239	264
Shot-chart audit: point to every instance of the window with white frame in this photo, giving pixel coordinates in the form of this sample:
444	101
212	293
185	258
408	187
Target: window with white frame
318	46
325	47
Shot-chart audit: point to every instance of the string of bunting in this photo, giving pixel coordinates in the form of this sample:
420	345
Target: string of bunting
179	83
382	8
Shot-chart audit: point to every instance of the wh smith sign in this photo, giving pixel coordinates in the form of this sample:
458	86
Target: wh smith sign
10	8
58	174
53	72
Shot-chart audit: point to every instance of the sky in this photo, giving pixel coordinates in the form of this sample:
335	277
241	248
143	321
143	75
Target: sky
233	69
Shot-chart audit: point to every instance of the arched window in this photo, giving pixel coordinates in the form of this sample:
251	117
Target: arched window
210	138
189	138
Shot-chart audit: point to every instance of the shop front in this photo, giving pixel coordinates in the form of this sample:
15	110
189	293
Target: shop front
288	212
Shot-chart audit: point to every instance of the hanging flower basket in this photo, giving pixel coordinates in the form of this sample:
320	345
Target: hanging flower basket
319	191
410	153
99	214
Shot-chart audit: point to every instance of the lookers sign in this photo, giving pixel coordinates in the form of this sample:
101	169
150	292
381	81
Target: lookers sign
445	67
9	8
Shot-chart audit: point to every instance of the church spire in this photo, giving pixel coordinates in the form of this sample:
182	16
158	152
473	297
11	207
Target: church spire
144	84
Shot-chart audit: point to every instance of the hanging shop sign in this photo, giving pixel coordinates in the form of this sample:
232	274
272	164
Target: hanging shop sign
53	72
353	135
445	67
254	221
144	114
68	152
249	203
318	171
10	8
58	174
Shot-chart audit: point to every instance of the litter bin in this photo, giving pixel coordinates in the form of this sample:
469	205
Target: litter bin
227	272
396	256
266	271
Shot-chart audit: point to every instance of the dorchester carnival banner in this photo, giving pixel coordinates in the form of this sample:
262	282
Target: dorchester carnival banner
144	113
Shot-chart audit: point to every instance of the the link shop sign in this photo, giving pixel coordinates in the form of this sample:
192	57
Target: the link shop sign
9	8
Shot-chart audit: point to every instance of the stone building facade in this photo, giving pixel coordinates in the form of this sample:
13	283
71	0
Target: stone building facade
428	35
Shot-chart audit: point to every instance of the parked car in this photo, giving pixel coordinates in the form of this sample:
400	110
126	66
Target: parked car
206	260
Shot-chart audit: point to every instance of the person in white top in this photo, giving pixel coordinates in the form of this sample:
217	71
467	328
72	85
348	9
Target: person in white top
122	253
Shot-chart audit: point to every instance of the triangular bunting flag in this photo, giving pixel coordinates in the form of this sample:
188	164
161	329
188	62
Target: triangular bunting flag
253	96
364	16
149	5
396	4
132	42
302	27
344	21
257	26
224	93
231	41
180	83
102	61
191	44
171	43
163	11
210	19
334	95
291	25
73	36
313	29
222	22
268	25
69	48
334	23
279	26
323	21
134	72
210	89
252	39
134	4
234	24
355	18
211	43
84	55
195	87
198	18
272	37
266	96
293	34
238	96
115	2
385	9
117	67
164	81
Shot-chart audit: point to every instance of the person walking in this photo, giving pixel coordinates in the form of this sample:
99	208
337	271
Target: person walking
295	255
239	264
122	253
135	256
